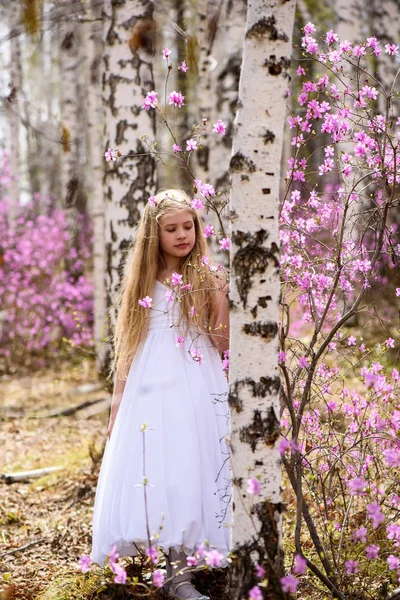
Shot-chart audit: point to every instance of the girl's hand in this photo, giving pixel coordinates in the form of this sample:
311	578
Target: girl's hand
110	428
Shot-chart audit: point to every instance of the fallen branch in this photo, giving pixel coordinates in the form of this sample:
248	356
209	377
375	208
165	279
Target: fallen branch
57	412
22	475
22	547
69	410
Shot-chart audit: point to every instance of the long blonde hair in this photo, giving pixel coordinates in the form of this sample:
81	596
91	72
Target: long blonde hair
144	260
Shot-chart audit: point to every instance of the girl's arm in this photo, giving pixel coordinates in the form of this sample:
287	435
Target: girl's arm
220	326
118	392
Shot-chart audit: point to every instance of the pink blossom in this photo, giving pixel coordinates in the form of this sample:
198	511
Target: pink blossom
219	127
331	37
359	51
146	302
110	155
113	556
397	292
373	43
282	356
360	535
120	574
176	98
345	46
200	551
289	583
213	558
209	230
85	562
393	562
192	311
300	565
391	49
283	445
374	513
255	593
158	578
197	204
180	341
224	243
253	486
351	566
191	561
166	53
191	145
150	101
372	551
351	340
300	71
152	201
169	296
197	356
176	279
357	486
309	28
260	571
303	362
176	148
183	67
152	553
389	343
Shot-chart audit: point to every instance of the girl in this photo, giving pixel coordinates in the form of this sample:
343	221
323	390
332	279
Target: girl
165	478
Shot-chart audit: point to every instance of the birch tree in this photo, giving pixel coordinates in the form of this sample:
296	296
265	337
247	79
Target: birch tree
13	102
254	294
71	51
128	77
95	124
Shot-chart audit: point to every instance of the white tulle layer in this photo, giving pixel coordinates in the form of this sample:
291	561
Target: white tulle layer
183	452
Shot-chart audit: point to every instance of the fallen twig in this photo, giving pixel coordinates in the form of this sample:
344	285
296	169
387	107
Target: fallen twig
34	474
20	548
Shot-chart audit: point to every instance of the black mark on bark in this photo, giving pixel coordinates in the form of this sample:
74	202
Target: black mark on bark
268	136
262	429
266	27
276	67
266	329
251	258
260	389
239	162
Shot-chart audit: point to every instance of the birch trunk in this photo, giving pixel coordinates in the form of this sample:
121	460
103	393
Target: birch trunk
128	182
14	109
70	57
385	25
168	176
95	125
254	295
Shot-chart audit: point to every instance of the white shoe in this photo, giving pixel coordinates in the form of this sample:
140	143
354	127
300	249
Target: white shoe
184	590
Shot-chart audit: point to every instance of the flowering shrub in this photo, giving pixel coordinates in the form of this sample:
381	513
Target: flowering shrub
45	298
341	416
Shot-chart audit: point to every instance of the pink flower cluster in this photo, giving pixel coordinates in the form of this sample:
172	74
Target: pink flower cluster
344	436
45	297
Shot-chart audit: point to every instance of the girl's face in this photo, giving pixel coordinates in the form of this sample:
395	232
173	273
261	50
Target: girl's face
176	234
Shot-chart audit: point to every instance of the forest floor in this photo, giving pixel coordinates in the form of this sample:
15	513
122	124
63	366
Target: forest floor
45	524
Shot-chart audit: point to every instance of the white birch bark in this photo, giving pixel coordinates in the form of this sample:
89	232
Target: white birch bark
14	13
70	56
128	182
385	25
95	125
168	176
254	294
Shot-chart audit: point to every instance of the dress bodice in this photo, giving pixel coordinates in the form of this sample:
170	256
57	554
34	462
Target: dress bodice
164	314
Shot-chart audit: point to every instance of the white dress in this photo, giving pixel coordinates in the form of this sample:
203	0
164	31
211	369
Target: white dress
185	407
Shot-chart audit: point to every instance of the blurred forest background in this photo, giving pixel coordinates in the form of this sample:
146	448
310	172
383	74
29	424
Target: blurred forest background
71	84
